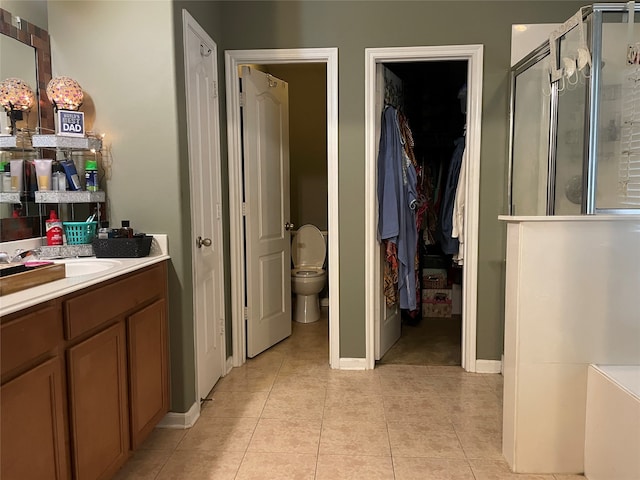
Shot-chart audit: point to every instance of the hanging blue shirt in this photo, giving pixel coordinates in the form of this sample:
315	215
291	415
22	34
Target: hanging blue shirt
397	185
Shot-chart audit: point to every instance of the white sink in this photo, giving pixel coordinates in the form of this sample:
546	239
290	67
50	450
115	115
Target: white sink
78	266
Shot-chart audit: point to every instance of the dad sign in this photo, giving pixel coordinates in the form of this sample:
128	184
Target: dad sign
70	123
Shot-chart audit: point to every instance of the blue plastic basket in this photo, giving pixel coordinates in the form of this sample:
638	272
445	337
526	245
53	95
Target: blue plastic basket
79	233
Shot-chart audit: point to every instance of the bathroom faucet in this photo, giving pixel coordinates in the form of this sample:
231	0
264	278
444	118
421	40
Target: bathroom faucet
20	254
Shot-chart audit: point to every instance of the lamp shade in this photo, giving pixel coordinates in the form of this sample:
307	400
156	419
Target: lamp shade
15	94
65	93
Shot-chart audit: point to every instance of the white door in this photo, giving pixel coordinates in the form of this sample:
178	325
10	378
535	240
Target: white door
206	201
389	324
265	134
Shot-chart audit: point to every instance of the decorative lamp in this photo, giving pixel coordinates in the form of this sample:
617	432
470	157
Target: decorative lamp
16	97
65	93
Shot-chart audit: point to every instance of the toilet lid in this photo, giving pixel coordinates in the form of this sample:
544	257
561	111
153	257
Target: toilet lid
308	247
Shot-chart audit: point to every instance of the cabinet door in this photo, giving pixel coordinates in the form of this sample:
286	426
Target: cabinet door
98	404
33	425
148	376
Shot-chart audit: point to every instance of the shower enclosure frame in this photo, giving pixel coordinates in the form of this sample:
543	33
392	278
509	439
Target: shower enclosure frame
593	15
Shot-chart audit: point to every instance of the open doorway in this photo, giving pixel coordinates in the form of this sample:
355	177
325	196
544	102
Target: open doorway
472	56
273	58
429	100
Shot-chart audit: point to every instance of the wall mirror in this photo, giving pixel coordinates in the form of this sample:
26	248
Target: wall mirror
25	52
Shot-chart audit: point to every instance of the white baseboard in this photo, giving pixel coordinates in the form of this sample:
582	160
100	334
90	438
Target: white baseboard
181	421
488	366
353	364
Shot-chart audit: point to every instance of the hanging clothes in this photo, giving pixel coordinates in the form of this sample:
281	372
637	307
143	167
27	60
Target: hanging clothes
449	244
397	200
457	219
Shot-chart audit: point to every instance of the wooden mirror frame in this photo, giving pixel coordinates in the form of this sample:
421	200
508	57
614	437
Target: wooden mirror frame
38	38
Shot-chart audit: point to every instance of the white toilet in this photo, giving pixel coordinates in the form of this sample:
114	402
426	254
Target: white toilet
308	251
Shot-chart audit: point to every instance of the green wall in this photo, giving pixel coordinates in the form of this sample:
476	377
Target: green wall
354	26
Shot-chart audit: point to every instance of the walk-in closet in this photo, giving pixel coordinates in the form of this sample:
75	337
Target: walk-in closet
424	103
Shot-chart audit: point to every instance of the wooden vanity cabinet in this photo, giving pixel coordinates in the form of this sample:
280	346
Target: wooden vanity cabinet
84	378
148	369
117	369
98	403
33	436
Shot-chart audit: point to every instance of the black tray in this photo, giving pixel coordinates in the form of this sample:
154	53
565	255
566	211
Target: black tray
122	247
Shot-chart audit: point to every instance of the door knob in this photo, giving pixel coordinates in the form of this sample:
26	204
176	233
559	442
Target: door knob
203	242
289	226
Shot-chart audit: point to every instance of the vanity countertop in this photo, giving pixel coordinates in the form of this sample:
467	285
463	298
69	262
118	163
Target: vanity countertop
32	296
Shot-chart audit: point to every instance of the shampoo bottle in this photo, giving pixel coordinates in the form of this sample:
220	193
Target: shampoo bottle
53	227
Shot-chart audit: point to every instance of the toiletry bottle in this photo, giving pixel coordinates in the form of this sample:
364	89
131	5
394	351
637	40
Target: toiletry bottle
126	231
53	227
59	179
91	175
6	177
104	230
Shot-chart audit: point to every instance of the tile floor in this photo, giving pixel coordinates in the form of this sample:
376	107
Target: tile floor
287	415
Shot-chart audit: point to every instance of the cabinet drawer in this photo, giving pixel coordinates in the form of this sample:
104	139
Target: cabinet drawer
29	336
101	304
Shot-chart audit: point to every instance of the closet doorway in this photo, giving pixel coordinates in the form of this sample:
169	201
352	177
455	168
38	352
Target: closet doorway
420	70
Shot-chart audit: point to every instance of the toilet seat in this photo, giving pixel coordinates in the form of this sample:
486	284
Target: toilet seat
308	248
307	272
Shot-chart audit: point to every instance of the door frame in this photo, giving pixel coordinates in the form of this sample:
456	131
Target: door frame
233	59
188	22
473	54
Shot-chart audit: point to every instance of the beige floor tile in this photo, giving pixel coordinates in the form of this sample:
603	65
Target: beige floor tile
428	409
347	467
481	443
570	477
485	469
362	382
245	379
268	361
299	382
454	386
406	385
345	406
214	433
301	365
472	403
295	404
235	404
201	465
422	440
163	439
473	421
408	468
277	466
274	435
402	370
354	438
144	465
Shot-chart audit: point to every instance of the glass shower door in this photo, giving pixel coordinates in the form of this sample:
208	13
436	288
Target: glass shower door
530	144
